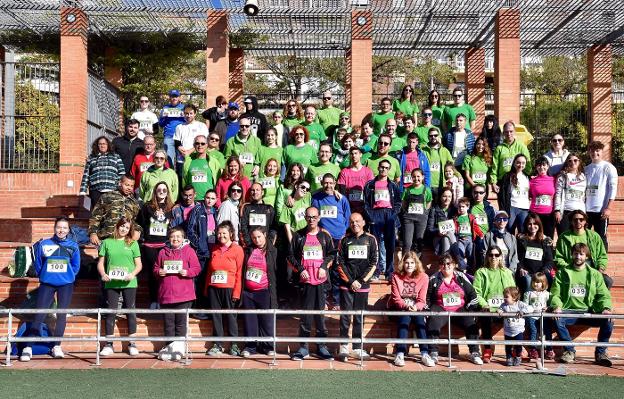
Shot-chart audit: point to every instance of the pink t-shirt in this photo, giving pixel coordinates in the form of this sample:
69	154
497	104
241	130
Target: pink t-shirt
312	259
354	182
450	296
256	274
542	194
187	211
382	195
211	234
411	162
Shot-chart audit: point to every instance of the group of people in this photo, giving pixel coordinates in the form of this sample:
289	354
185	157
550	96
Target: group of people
205	217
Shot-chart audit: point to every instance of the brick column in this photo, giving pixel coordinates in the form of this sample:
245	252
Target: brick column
217	56
475	82
237	75
74	87
507	65
599	80
359	78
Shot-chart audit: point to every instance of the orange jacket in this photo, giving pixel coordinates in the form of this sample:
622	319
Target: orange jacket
229	261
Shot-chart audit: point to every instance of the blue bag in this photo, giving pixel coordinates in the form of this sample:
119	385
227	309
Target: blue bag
38	348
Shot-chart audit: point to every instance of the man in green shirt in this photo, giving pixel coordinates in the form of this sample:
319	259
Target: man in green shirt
385	112
317	133
246	147
581	289
316	172
504	155
438	156
423	129
383	152
199	170
459	107
397	142
328	115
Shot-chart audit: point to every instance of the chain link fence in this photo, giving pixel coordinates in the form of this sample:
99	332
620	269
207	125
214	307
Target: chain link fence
617	128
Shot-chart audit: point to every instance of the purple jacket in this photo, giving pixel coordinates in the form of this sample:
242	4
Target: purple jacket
174	288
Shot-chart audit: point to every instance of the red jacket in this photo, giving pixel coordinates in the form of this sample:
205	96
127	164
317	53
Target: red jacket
137	171
476	230
223	184
229	261
174	288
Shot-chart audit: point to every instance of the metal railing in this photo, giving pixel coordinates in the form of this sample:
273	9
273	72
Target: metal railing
103	110
274	339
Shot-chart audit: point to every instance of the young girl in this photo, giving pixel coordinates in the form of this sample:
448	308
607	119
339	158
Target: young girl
513	326
415	211
569	191
538	299
119	264
270	150
409	293
454	181
175	268
513	197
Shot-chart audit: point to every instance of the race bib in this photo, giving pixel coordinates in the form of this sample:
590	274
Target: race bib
246	158
56	265
543	200
172	266
300	214
479	177
312	253
257	219
267	182
464	229
446	226
436	121
382	195
219	277
407	179
313	144
145	166
329	212
578	291
521	192
158	228
356	196
574	195
507	163
172	113
592	191
481	219
416	208
434	167
496	301
199	176
254	275
117	273
534	253
358	252
319	179
451	299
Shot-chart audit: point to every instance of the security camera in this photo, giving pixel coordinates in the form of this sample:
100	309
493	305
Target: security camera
251	7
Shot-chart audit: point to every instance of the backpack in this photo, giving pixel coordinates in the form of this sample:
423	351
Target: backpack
38	348
78	234
22	262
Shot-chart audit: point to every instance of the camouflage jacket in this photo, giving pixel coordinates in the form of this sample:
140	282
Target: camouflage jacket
111	207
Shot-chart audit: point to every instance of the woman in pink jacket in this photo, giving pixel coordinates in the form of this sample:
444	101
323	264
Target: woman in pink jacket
542	195
175	268
409	293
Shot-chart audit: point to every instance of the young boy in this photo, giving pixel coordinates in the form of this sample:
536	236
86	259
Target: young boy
466	230
514	326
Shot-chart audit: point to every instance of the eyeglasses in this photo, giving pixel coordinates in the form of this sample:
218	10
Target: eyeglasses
214	138
384	143
494	255
236	190
310	217
144	101
159	158
245	126
557	140
299	134
479	192
458	95
502	219
575	160
304	188
162	190
327	98
426	114
433	135
578	220
199	144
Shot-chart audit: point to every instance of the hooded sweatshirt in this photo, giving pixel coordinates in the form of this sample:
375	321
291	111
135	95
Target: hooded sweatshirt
174	288
56	261
259	124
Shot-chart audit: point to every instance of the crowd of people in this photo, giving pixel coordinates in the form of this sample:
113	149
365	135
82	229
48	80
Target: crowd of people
205	216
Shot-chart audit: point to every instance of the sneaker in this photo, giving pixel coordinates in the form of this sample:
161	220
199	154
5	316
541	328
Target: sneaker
323	353
270	353
302	353
245	353
602	359
107	350
427	360
475	357
534	354
200	316
509	362
216	350
517	361
343	352
360	354
234	351
568	357
57	352
26	354
375	277
133	351
487	355
549	354
399	360
434	357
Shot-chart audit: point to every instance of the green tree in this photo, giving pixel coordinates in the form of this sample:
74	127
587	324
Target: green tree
425	70
556	75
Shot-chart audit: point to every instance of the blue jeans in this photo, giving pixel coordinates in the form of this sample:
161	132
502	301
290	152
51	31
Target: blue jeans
384	228
516	219
169	147
513	350
403	324
45	298
604	334
533	327
462	250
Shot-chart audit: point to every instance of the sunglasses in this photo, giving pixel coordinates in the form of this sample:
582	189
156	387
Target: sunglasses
326	98
557	140
458	95
502	219
159	158
479	192
494	255
292	105
425	114
434	96
304	188
309	217
214	138
407	89
245	126
578	219
384	143
433	135
144	101
299	134
236	190
575	160
199	144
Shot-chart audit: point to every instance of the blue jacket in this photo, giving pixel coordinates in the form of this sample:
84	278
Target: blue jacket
197	231
178	216
335	226
469	144
56	254
424	165
169	123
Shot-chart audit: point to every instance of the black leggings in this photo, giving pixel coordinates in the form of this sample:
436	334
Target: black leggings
437	323
129	301
175	323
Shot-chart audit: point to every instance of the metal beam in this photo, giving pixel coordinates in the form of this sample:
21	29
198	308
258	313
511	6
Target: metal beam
423	28
561	24
613	36
489	29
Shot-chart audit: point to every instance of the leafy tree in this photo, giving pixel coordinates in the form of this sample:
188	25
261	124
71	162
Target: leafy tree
556	75
414	69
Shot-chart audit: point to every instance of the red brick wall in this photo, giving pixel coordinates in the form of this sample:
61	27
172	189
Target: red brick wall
237	71
217	56
475	82
507	65
359	87
599	65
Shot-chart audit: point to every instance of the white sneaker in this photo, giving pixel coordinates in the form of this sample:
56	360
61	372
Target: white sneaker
434	357
26	354
107	350
399	360
133	351
360	354
427	360
343	352
57	352
165	354
475	357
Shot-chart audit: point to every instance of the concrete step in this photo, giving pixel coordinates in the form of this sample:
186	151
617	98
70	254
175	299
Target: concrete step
67	200
31	229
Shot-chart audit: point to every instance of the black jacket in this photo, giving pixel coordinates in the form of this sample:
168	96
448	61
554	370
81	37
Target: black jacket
212	115
127	150
436	215
258	120
352	268
295	251
471	301
369	197
531	265
504	196
245	227
270	256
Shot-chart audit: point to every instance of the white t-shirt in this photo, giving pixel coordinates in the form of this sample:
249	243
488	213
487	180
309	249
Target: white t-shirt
146	119
459	144
571	192
602	182
520	193
186	133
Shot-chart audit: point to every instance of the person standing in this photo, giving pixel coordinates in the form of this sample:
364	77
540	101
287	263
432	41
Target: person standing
228	127
449	117
148	121
329	115
144	159
352	180
103	170
214	115
317	172
438	156
460	140
505	154
128	145
246	147
171	116
185	134
257	121
200	171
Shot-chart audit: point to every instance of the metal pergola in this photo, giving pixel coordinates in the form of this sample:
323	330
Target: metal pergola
307	28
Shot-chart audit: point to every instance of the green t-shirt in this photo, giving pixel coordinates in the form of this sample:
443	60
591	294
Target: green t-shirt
423	134
329	116
317	134
577	289
270	185
503	157
379	121
478	211
295	216
218	155
465	230
437	159
451	112
199	175
246	151
291	121
119	260
476	167
418	191
369	146
316	172
437	115
406	106
489	285
395	168
267	153
305	155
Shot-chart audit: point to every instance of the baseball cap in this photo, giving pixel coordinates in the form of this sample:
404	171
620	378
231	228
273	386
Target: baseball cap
248	100
501	214
174	93
232	104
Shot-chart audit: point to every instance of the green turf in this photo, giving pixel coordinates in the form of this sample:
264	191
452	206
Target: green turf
275	384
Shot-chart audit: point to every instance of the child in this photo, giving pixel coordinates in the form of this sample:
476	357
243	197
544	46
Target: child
175	268
415	211
513	326
453	180
537	297
467	230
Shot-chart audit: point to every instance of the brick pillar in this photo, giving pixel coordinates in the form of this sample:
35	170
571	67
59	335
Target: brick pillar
74	87
217	56
507	65
599	80
237	75
359	79
475	82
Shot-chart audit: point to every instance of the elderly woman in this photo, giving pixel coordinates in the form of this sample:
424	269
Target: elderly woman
102	170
